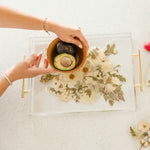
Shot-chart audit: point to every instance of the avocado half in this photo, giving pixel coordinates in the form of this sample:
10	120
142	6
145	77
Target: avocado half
64	62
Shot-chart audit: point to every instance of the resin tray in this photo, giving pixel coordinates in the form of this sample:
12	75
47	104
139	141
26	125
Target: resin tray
42	103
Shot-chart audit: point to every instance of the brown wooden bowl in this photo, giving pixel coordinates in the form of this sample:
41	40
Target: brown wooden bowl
81	54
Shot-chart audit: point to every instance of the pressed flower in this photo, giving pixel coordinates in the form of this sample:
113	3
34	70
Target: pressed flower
142	141
107	66
65	96
144	126
142	134
102	57
94	56
71	76
109	88
115	80
145	144
58	83
85	69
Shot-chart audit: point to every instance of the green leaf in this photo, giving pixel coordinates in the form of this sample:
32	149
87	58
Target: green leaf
88	92
46	77
105	97
110	50
132	131
111	102
120	77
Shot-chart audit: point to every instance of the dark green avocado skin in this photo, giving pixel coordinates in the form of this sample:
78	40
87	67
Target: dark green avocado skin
63	47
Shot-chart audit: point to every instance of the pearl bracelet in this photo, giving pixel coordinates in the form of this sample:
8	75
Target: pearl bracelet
4	75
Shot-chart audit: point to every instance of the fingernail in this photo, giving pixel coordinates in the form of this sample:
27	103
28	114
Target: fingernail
80	46
44	61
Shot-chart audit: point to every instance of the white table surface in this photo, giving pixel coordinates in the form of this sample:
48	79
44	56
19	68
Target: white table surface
77	131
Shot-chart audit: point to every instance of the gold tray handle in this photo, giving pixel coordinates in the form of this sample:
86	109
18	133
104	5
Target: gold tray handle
140	85
23	91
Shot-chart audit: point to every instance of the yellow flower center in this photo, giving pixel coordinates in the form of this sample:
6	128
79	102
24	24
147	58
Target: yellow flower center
93	57
85	69
71	76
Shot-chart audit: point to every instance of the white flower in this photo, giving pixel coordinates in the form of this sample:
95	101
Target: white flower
87	68
115	80
107	66
102	56
96	74
109	88
96	56
144	143
144	126
65	96
58	83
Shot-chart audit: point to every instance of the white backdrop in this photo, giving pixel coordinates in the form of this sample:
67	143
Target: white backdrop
90	131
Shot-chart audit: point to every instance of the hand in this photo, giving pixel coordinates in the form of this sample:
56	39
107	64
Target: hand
28	68
71	34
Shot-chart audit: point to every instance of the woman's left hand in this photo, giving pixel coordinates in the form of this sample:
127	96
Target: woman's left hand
28	68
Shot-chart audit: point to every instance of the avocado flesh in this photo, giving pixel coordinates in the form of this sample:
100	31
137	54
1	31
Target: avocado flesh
59	65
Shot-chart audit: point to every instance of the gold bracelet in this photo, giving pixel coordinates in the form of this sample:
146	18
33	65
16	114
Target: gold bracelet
44	24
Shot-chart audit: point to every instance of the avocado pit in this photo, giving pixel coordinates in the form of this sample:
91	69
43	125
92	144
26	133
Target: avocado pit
66	61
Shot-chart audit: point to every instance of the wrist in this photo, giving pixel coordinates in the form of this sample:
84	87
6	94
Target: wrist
52	26
11	75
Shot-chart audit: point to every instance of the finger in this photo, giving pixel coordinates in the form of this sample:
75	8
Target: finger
81	37
77	42
46	71
38	60
39	71
45	65
31	59
83	40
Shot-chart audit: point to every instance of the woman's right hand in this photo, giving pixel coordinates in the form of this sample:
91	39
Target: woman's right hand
69	33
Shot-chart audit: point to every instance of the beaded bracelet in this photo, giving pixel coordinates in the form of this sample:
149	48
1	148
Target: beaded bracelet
4	75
